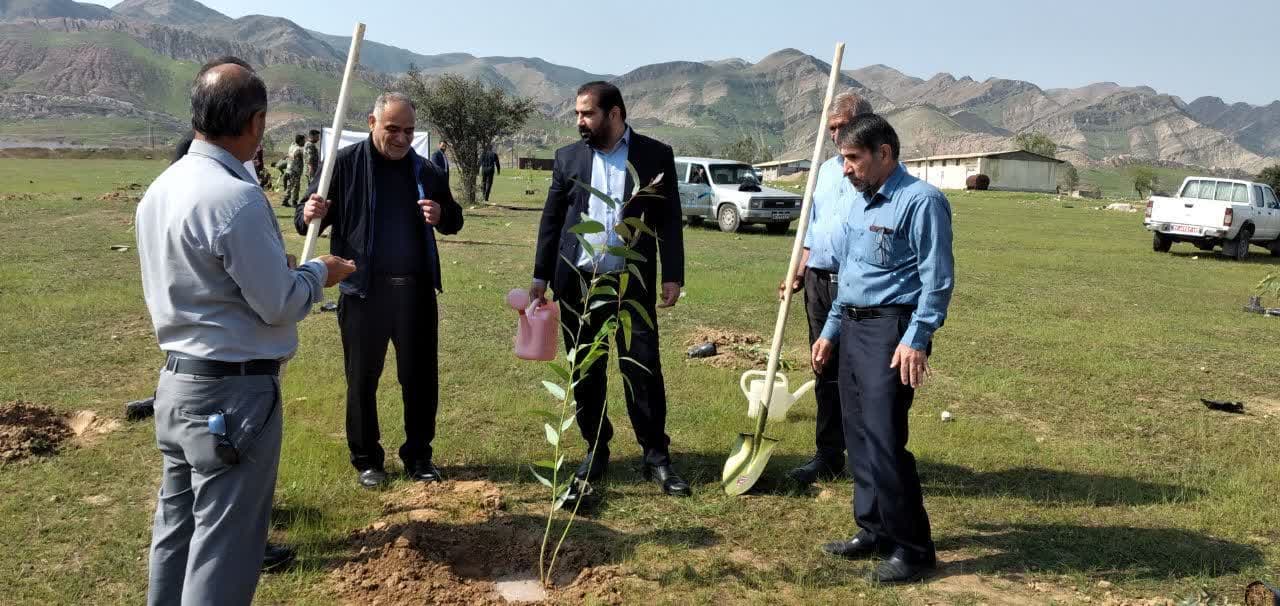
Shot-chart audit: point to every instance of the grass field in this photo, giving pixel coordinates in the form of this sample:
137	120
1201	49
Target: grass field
1073	360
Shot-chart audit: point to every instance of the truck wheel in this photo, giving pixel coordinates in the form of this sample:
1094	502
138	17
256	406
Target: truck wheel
777	229
694	220
728	219
1238	247
1160	242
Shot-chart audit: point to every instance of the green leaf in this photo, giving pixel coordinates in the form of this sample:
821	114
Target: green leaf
622	230
635	271
541	480
644	313
626	253
601	303
595	192
568	422
624	317
553	437
560	371
623	280
587	227
604	289
586	246
555	390
633	361
545	464
638	224
635	178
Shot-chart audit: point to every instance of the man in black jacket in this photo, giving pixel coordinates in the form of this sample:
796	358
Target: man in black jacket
386	203
489	166
441	160
608	145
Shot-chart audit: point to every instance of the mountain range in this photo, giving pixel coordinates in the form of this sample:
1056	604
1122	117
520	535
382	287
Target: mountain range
74	71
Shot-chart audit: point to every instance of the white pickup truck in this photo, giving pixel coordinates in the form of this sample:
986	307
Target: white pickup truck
729	192
1211	212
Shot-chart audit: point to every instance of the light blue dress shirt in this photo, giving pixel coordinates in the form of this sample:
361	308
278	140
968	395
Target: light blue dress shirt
833	196
896	250
609	175
214	272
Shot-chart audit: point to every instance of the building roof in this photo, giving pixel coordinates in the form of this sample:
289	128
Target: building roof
1012	154
781	162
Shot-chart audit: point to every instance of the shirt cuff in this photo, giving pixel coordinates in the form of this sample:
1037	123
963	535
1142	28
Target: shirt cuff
917	337
540	283
831	330
321	271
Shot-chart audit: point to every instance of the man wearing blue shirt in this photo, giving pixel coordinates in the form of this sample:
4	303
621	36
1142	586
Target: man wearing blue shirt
896	279
818	275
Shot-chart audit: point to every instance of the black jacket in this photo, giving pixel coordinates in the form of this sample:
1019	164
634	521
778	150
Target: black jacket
566	202
442	163
352	196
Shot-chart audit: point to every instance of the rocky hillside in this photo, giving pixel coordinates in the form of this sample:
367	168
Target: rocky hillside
67	65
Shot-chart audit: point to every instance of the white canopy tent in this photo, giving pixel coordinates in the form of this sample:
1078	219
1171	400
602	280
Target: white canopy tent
421	141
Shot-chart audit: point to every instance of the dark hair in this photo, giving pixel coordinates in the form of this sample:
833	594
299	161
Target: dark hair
225	106
184	145
869	131
313	132
607	96
223	60
299	139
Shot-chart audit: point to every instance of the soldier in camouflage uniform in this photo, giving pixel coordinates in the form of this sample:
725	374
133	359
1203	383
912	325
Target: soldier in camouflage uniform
293	171
311	158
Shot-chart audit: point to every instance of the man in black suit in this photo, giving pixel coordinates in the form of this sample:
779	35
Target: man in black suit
441	161
601	159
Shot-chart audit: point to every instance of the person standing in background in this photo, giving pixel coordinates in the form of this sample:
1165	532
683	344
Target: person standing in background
441	160
293	171
489	165
311	157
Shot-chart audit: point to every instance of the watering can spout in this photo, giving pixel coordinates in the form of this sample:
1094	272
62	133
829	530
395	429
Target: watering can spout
804	389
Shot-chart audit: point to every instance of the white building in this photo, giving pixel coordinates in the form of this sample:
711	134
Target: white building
781	168
1013	170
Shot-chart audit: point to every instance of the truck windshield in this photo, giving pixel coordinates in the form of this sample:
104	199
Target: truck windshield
732	174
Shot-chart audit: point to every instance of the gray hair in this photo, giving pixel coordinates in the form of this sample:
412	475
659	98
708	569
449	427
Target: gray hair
849	104
386	98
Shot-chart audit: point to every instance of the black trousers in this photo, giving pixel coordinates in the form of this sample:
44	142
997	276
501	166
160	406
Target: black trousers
486	182
819	292
400	311
887	500
645	392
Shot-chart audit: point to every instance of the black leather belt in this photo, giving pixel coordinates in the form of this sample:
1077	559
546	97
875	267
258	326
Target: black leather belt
398	279
882	311
822	273
214	368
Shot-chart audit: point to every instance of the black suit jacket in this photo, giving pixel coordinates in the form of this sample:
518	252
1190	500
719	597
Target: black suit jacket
566	202
441	162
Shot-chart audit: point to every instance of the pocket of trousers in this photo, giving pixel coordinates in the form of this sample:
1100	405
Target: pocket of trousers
249	411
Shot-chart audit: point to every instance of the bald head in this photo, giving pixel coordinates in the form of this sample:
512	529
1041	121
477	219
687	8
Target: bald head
225	100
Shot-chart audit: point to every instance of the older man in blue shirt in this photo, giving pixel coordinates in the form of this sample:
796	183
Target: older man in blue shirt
818	275
896	279
225	305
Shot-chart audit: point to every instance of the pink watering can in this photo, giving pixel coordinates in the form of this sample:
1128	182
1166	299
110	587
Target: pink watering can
537	334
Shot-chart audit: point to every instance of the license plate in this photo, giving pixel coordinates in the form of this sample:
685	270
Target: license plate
781	215
1185	229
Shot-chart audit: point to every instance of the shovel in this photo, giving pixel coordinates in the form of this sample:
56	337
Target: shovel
751	451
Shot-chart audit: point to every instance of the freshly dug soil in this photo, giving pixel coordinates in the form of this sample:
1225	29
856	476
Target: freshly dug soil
27	430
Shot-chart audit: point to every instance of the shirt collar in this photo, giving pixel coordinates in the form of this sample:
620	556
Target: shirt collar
224	157
625	141
891	185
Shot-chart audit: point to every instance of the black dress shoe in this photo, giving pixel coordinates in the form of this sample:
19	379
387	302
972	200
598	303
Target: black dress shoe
372	478
138	410
594	466
861	546
277	557
818	468
424	471
672	484
579	497
902	567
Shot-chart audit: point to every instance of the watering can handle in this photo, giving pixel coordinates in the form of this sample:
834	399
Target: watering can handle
743	382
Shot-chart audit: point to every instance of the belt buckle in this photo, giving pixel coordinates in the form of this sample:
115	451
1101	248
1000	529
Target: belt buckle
399	280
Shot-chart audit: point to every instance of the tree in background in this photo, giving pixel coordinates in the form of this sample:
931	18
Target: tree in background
1145	180
1271	176
469	115
1036	143
747	150
1070	179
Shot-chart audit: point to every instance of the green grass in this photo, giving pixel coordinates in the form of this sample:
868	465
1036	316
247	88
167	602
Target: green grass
1118	182
1073	360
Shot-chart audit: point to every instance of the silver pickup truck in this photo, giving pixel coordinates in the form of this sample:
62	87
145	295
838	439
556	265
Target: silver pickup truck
730	193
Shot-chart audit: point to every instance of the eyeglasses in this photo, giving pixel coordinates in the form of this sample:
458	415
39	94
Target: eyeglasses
225	450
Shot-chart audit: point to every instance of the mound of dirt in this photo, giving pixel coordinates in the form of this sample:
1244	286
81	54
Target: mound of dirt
27	430
735	350
453	543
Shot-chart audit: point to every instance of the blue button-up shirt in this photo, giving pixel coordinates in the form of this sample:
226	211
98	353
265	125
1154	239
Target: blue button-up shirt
833	196
609	175
214	273
897	251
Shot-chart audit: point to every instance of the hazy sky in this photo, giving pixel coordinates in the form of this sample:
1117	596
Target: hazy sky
1171	45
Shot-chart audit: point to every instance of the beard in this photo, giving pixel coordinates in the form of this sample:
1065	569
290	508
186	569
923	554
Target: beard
594	138
863	186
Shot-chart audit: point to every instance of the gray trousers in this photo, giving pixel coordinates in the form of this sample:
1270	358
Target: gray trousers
212	518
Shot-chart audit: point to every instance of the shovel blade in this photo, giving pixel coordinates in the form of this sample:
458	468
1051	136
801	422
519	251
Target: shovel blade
742	469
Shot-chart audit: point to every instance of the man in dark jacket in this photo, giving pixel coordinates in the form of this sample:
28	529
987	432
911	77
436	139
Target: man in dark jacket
601	158
489	166
386	203
441	160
